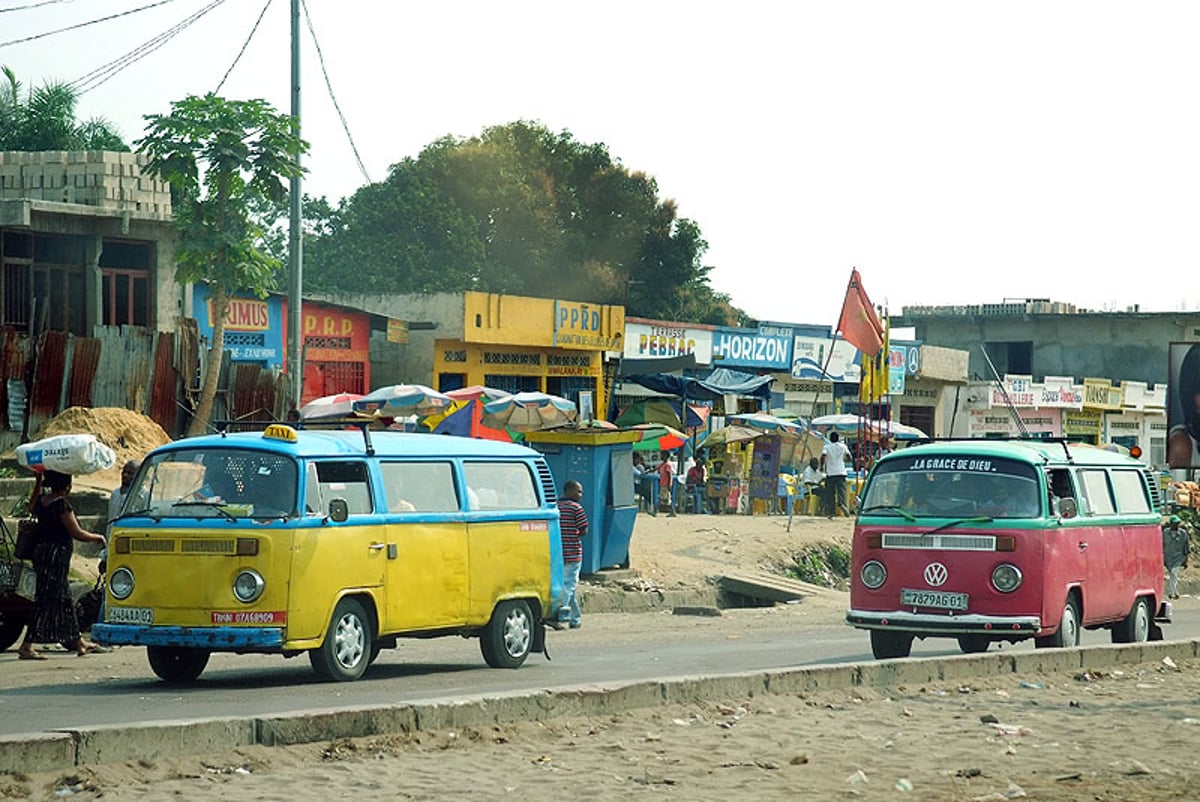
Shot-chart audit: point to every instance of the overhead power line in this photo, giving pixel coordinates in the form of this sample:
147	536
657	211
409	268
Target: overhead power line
33	5
245	44
103	73
83	24
329	86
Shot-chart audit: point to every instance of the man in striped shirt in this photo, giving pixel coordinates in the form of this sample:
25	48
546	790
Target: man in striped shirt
574	524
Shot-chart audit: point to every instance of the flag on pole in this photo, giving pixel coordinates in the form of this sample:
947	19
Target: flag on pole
874	383
859	324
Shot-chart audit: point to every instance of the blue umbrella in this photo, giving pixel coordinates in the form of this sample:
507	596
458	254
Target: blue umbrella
402	400
768	423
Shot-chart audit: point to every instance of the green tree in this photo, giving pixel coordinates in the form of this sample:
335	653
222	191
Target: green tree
44	119
226	160
518	209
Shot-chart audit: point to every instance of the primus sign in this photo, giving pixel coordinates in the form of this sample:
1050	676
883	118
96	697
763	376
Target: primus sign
752	349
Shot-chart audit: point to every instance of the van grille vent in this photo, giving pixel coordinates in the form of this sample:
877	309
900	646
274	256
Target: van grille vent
152	546
940	542
206	546
547	480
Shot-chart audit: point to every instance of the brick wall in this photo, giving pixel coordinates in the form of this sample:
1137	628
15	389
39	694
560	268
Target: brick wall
102	178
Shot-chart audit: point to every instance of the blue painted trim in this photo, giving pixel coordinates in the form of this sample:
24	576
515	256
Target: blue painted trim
212	638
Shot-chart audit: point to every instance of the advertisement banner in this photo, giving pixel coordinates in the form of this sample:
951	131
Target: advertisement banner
662	341
809	355
748	348
585	326
998	422
254	326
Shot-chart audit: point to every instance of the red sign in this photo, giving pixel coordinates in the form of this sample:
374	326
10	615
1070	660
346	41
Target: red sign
535	526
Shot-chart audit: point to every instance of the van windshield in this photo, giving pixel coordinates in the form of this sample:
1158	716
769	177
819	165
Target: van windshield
941	486
215	483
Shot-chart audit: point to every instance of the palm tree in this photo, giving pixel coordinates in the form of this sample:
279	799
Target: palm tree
45	119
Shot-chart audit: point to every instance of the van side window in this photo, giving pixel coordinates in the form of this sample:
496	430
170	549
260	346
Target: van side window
344	480
500	486
419	487
1130	491
1096	490
1060	488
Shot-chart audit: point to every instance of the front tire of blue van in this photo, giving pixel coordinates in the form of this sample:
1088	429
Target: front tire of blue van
508	636
886	645
177	665
346	652
1067	636
1135	627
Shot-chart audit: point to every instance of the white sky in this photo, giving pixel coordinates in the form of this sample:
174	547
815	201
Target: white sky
955	152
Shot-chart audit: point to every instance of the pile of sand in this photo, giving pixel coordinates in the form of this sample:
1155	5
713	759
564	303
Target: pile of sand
129	434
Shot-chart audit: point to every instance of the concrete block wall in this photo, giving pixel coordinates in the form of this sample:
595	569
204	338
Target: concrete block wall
107	179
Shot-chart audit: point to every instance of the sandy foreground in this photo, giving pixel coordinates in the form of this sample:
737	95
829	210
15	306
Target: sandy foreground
1128	734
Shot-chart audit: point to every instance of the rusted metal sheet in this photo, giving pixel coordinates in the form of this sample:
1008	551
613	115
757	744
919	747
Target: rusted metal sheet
123	373
49	371
85	359
165	385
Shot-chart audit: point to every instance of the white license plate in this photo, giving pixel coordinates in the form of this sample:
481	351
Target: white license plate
129	615
933	598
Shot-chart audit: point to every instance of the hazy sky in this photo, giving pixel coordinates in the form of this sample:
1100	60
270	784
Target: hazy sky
954	152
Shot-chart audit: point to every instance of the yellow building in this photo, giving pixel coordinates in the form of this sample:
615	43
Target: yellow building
509	342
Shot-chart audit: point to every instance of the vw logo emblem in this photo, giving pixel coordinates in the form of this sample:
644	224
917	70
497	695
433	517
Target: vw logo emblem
936	574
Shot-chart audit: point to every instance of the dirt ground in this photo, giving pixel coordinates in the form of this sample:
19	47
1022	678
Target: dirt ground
1119	735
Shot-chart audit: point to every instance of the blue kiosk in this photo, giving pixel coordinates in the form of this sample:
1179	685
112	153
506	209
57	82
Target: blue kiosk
602	461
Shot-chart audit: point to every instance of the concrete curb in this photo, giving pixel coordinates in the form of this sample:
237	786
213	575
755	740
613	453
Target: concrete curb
69	747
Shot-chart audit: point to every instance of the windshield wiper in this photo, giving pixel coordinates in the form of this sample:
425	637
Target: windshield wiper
978	519
219	506
891	508
149	512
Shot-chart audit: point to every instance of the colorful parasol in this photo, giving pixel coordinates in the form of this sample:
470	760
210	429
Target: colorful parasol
658	437
338	405
529	412
402	400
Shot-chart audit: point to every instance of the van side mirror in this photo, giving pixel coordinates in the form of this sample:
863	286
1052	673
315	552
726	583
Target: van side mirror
339	510
1067	508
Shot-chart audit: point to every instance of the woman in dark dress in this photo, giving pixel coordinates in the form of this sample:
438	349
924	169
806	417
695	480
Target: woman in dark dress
53	619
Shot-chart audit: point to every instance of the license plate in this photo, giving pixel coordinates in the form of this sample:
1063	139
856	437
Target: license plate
129	615
933	598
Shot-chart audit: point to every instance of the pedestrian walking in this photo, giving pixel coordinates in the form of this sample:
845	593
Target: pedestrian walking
574	525
833	461
1176	545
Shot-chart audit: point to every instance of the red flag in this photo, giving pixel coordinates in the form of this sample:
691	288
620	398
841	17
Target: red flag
859	324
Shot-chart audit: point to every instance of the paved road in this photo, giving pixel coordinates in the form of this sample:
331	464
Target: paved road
119	688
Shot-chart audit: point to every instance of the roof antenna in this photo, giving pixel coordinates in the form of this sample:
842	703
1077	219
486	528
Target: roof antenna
1012	410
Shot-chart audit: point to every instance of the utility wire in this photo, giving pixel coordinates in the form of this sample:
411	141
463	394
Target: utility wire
103	73
345	126
33	5
84	24
245	44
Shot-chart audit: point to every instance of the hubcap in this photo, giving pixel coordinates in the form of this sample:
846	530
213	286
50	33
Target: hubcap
349	641
517	633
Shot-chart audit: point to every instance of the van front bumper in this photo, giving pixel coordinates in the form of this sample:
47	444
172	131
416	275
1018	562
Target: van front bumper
214	638
968	624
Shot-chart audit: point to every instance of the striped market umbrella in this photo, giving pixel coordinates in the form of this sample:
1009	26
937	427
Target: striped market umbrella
338	405
529	412
402	400
658	437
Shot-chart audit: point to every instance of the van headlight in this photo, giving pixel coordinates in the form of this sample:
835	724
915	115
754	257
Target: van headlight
873	574
248	586
1006	578
120	584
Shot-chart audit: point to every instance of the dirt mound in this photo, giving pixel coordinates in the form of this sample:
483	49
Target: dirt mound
131	435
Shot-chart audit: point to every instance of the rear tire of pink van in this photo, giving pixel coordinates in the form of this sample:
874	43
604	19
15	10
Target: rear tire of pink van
886	644
1067	636
1135	627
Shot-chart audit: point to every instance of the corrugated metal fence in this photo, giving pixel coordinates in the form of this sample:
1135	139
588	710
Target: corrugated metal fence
131	367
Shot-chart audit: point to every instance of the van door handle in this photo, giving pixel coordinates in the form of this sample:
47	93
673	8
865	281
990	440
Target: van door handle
377	546
1083	545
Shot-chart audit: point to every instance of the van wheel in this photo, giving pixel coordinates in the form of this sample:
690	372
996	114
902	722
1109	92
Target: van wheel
886	644
1135	627
973	644
508	636
175	664
1068	629
346	652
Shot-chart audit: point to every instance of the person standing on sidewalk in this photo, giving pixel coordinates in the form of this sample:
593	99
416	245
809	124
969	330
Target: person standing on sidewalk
833	462
574	524
1176	545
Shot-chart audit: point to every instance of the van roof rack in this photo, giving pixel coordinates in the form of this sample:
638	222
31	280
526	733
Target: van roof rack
1062	441
362	424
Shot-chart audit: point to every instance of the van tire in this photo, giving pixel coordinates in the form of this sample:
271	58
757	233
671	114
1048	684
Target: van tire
346	651
1135	627
506	640
974	644
175	664
11	626
887	644
1067	636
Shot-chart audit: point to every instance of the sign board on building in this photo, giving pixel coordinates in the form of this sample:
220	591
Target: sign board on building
664	340
1101	394
1037	422
748	348
581	325
810	355
253	326
397	331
